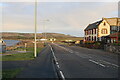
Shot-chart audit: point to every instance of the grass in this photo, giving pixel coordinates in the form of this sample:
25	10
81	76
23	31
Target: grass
22	56
10	73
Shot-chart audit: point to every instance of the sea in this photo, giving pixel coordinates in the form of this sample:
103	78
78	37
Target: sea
11	42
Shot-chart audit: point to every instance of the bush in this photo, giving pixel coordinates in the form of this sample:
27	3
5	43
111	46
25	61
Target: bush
93	45
116	44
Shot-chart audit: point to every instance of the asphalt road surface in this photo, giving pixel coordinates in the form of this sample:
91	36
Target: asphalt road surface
78	62
73	62
41	67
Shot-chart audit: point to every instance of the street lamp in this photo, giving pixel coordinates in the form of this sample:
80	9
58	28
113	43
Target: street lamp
35	19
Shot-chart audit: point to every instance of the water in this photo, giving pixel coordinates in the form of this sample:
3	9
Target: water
11	42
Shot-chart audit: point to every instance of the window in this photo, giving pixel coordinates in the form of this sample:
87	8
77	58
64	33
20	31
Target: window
104	31
92	38
114	29
86	32
94	31
118	28
89	32
95	38
89	38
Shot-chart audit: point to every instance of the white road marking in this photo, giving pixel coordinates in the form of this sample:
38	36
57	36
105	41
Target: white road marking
93	61
69	50
89	56
97	63
58	66
102	65
110	63
61	73
57	63
115	65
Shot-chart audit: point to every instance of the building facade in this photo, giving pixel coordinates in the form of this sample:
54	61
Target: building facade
100	29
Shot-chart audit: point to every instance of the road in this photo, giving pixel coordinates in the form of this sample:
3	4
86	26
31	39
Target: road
72	62
78	62
41	67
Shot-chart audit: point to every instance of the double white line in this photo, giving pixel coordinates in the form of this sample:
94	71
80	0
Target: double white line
56	62
97	63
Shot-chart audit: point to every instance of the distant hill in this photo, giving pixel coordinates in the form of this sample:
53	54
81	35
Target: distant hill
11	35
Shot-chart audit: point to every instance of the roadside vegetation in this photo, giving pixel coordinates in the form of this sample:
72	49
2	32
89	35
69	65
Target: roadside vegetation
116	44
93	45
28	55
10	73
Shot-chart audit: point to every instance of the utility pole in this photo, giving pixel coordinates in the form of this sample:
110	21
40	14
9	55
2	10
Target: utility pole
35	45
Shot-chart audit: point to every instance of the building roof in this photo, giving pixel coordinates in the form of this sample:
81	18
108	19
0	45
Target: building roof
110	21
113	21
93	25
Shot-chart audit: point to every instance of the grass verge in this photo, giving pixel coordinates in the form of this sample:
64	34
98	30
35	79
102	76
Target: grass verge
10	73
23	56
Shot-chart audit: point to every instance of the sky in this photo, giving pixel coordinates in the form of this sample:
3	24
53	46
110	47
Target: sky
69	18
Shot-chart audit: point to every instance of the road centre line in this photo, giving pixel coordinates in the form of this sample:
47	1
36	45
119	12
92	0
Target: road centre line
89	56
101	64
56	62
97	63
110	63
69	50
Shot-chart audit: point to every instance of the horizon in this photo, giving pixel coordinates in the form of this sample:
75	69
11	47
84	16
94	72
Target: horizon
70	18
39	33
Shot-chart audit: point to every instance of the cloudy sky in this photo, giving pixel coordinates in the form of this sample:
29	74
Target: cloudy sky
64	17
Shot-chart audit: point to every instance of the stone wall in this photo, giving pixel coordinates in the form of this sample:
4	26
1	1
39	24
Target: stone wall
112	48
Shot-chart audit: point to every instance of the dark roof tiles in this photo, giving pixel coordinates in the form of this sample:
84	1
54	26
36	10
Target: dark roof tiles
93	25
110	21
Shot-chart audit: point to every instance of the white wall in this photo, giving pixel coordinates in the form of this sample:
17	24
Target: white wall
101	26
